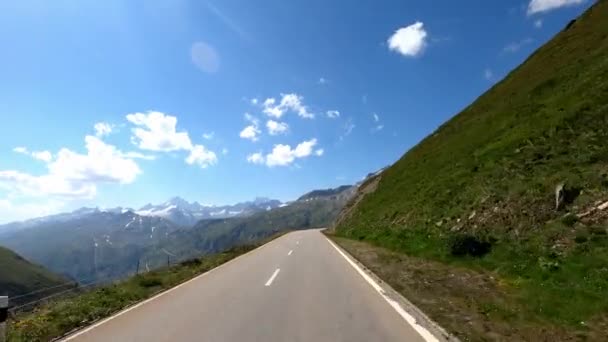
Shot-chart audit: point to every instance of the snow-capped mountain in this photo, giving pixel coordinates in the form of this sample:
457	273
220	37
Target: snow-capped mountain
187	213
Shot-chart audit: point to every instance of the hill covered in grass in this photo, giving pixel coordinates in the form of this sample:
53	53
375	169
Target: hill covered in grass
484	183
19	276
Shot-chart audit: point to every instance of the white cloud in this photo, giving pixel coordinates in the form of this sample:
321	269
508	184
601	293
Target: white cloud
156	132
103	129
283	155
44	156
208	136
538	23
409	41
488	74
224	151
516	46
201	156
137	155
275	127
20	149
319	152
256	158
377	128
348	128
11	211
289	102
75	175
538	6
205	57
250	132
322	80
254	101
251	118
332	114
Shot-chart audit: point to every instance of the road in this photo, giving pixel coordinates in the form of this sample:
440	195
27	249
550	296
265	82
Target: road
296	288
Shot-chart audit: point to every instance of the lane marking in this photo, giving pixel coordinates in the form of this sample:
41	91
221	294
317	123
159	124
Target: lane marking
290	252
422	331
274	275
85	330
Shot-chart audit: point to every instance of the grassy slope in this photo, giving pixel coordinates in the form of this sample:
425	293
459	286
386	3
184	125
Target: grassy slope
18	276
491	171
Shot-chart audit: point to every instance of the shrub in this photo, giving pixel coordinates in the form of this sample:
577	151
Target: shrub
580	238
191	262
569	220
461	245
149	281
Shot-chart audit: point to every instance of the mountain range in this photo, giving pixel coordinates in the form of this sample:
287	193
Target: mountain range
93	244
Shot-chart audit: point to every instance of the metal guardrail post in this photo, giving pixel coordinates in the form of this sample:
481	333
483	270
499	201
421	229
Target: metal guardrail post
3	317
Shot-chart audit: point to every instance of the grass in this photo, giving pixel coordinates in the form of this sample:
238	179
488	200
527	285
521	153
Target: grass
59	317
491	172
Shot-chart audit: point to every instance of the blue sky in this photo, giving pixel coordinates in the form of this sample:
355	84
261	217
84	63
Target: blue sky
333	90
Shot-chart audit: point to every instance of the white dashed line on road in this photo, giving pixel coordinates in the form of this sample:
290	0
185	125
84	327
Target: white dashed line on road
290	252
274	275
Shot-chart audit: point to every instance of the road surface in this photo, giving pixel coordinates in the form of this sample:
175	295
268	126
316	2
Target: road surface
295	288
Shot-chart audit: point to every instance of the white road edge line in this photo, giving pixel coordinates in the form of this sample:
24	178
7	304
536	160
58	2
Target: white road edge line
89	328
274	275
426	335
290	252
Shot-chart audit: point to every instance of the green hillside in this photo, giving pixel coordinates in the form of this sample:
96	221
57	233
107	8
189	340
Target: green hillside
18	276
484	182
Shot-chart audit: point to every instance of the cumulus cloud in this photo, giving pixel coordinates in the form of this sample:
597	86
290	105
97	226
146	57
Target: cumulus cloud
201	156
103	129
275	127
283	155
250	132
156	131
205	57
208	136
538	6
332	114
254	101
76	175
289	102
44	156
409	41
256	158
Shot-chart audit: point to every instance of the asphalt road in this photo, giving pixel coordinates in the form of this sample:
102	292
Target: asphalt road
295	288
